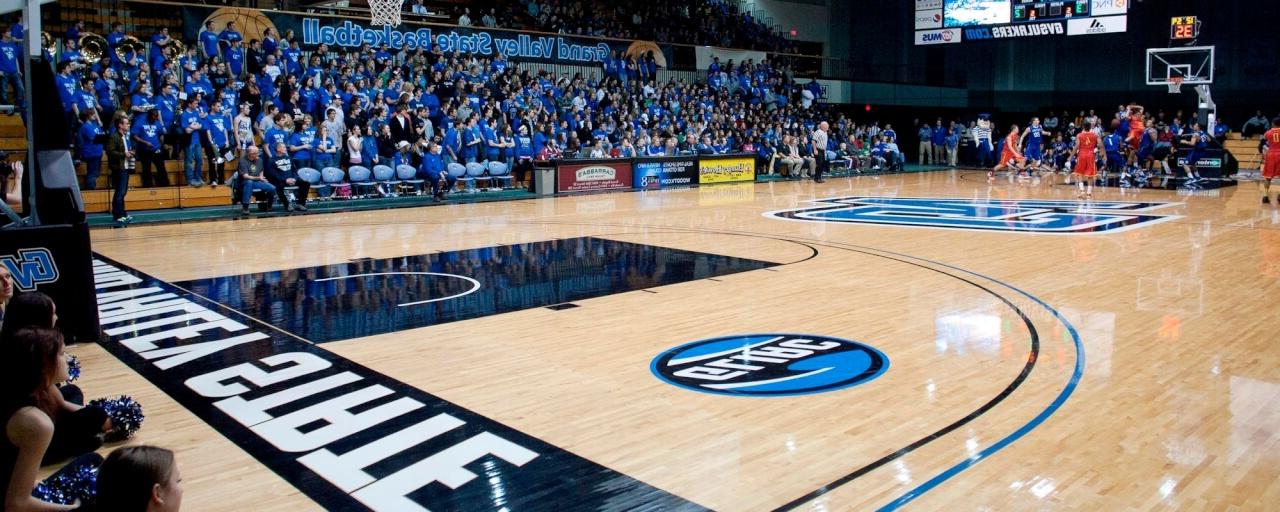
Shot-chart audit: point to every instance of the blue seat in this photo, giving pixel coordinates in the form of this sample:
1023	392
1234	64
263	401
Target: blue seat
475	175
336	180
409	178
361	181
459	172
313	177
501	174
385	176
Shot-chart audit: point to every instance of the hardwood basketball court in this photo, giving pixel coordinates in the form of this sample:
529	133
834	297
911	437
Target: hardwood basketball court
1108	355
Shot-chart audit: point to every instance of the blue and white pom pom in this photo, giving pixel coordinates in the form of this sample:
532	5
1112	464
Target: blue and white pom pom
125	413
73	369
64	489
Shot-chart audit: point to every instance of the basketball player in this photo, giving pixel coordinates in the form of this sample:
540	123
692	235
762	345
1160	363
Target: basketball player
1086	165
1137	126
1009	154
1271	164
1198	141
1032	143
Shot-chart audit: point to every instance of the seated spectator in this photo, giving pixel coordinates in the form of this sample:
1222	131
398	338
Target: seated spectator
34	359
281	174
1255	125
251	173
34	309
433	170
139	479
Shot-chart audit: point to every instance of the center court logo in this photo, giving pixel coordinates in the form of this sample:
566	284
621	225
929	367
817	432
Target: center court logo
769	365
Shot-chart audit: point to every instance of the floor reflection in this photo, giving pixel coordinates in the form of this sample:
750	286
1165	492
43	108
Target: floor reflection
367	297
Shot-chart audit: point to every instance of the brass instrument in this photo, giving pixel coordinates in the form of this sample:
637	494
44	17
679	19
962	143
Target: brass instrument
133	45
174	49
92	47
48	43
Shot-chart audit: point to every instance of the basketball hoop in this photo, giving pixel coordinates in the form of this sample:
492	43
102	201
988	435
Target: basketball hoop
385	12
1175	84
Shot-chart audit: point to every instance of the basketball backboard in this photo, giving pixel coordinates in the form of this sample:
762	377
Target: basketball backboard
1193	64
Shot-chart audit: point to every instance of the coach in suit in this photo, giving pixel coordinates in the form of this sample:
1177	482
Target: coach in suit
120	158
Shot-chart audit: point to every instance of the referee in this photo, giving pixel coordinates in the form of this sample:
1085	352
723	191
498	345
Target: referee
820	152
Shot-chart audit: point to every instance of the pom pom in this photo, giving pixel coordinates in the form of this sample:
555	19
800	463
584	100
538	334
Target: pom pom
126	416
73	369
66	487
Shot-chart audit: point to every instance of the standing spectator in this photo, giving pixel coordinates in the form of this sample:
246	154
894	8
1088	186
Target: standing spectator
146	136
89	147
465	19
120	161
926	144
10	75
953	145
939	142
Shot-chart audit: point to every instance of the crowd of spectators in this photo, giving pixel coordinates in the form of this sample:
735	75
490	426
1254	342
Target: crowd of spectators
340	107
712	22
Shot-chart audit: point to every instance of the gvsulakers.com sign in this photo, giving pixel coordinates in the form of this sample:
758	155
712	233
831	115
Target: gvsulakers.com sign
726	170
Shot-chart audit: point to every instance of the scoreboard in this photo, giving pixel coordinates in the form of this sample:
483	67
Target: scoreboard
955	21
1182	28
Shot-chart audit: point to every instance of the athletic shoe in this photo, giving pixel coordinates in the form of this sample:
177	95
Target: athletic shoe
300	208
244	209
288	208
219	161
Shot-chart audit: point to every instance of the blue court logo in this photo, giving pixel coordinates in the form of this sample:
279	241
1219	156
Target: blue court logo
31	268
1026	216
769	365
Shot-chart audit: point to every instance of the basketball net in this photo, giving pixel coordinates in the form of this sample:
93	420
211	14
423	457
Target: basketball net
385	12
1175	84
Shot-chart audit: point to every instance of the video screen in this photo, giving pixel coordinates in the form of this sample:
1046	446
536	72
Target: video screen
966	13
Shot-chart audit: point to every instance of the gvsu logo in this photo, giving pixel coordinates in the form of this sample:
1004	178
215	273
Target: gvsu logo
1030	216
769	365
31	268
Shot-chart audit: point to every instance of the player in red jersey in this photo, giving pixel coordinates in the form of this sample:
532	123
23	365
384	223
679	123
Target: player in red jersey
1086	160
1009	154
1271	162
1137	128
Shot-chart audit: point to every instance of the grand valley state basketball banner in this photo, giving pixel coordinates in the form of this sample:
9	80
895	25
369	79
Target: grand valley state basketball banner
344	34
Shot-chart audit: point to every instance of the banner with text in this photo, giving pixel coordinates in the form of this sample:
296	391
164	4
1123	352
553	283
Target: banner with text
345	34
665	172
593	175
726	169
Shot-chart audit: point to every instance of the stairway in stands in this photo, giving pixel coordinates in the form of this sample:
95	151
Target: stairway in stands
13	138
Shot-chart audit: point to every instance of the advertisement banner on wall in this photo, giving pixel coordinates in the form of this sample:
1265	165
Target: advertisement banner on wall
1053	28
1091	26
928	4
665	172
1105	7
929	19
726	169
943	36
593	175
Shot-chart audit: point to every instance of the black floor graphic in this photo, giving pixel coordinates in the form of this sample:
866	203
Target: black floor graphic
368	297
